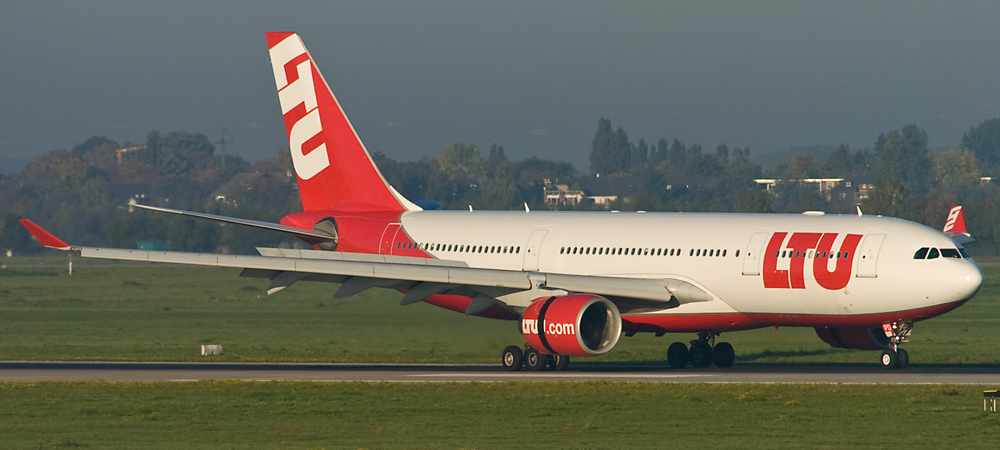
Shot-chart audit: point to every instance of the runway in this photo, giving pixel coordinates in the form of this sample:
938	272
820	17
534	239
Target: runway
177	371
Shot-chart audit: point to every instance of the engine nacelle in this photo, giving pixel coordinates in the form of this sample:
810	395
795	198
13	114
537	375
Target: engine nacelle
572	325
857	338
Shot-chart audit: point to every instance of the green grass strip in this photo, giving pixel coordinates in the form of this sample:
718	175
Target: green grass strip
590	415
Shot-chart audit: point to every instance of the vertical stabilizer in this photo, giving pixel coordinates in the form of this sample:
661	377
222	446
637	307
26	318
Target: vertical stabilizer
334	170
955	222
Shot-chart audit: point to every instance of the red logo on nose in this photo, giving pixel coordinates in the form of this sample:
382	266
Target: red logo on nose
803	246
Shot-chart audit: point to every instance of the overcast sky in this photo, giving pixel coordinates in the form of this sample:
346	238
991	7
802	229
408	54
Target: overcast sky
535	77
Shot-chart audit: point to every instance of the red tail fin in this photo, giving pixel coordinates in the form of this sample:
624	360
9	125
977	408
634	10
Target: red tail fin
955	222
335	171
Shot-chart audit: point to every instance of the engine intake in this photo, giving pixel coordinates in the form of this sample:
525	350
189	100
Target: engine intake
572	325
857	338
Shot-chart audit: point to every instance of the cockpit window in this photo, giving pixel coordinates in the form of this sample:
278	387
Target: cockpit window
933	254
921	254
950	253
962	251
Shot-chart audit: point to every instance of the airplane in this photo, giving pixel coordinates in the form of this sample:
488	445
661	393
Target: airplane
576	281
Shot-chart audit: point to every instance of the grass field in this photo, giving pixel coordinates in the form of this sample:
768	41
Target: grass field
110	311
223	414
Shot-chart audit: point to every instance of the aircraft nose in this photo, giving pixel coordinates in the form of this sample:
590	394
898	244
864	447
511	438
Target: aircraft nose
969	280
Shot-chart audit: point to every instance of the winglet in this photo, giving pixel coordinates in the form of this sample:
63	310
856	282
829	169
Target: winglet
955	222
46	238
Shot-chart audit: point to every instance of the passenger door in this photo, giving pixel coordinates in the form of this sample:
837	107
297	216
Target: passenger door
868	256
532	249
752	257
388	236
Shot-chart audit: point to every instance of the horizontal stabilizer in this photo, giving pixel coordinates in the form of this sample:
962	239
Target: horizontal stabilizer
313	234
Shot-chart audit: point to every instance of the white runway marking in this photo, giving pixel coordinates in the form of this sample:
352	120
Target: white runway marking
555	375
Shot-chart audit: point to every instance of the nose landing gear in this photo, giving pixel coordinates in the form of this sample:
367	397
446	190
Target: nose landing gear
895	357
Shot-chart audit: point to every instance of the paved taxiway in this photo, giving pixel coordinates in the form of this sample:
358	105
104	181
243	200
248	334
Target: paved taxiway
170	371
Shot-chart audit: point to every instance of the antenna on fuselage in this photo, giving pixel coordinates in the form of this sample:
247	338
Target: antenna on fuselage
859	211
526	208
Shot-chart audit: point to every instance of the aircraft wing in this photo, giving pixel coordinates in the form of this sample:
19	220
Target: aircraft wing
418	277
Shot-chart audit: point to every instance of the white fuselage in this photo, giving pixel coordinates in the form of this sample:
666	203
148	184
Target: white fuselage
718	252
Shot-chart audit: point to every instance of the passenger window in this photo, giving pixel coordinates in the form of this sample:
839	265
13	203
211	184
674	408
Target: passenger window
921	254
933	254
950	253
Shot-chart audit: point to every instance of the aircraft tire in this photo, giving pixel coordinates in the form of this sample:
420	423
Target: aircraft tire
904	358
701	355
677	355
723	355
535	361
512	358
559	362
889	360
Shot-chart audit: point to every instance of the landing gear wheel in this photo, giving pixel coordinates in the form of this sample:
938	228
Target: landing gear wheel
677	355
890	359
895	357
701	354
559	362
512	358
904	358
723	355
535	361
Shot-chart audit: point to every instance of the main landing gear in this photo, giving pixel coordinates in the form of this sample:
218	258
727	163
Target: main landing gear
895	357
514	359
703	353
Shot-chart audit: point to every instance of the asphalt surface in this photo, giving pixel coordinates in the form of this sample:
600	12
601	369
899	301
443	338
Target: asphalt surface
172	371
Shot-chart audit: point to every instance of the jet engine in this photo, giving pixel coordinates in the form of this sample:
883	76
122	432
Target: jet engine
572	325
857	338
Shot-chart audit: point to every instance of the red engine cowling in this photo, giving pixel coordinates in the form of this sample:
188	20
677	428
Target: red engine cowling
857	338
572	325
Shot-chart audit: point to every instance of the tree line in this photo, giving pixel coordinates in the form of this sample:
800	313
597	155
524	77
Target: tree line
82	194
910	181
